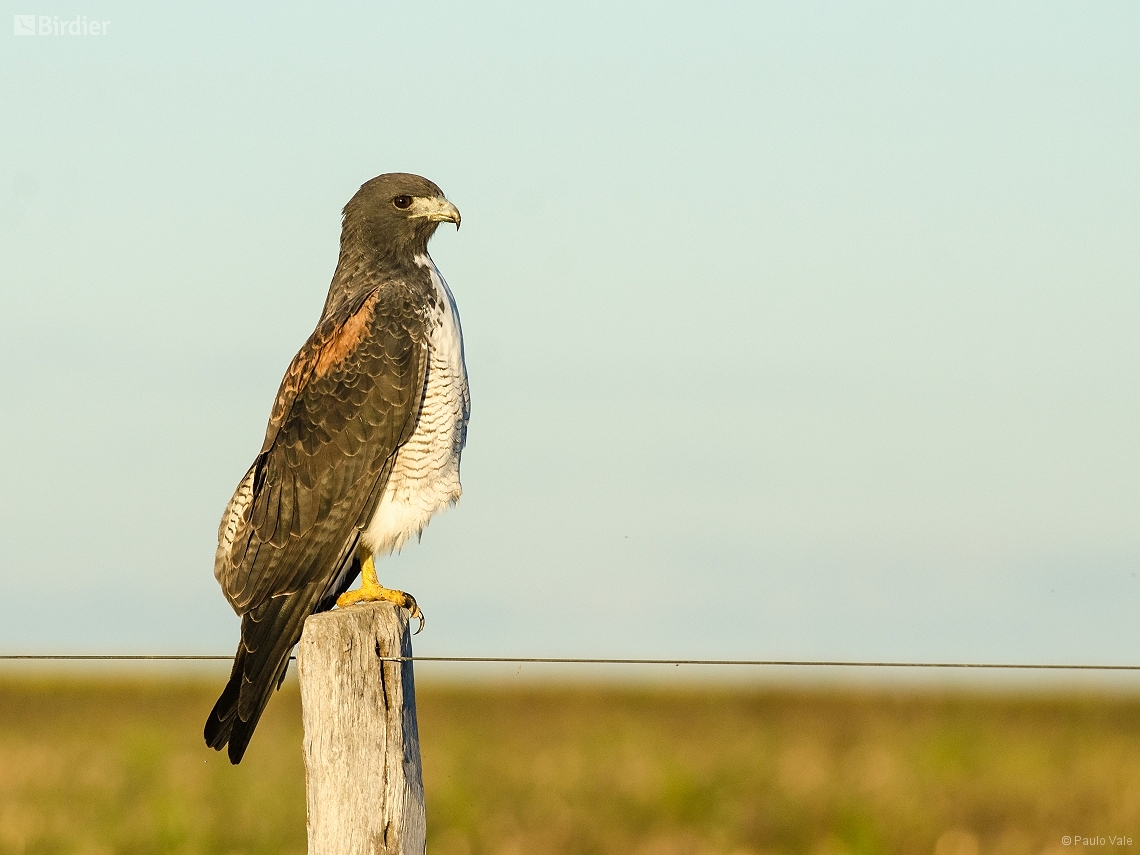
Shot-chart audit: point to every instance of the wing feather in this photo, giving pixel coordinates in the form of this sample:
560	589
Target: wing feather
346	404
287	542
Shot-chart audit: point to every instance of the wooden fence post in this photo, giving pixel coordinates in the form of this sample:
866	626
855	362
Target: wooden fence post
362	748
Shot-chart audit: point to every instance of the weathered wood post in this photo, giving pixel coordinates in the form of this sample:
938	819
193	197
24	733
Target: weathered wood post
362	746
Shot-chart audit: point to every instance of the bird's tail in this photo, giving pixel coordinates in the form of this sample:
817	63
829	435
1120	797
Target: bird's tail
268	634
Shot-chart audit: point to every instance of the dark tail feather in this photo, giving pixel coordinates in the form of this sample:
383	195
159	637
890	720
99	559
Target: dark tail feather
225	725
268	635
220	724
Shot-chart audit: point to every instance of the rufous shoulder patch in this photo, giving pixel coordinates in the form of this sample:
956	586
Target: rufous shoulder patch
346	339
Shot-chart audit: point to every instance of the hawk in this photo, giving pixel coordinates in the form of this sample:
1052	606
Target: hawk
362	447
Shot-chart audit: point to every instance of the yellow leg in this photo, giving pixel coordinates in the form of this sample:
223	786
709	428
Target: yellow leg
371	591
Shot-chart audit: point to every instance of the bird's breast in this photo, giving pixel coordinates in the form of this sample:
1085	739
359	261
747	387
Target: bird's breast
425	476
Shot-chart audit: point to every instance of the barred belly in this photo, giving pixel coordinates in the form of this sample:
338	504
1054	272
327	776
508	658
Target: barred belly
425	476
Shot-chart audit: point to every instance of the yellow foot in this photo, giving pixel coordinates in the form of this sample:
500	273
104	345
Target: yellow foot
371	591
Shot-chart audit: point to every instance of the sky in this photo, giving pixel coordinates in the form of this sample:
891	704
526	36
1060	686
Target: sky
794	330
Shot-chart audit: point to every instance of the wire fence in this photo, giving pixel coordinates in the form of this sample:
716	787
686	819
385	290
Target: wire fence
555	660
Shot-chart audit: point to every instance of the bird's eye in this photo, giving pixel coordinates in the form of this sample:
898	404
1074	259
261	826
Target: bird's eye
402	202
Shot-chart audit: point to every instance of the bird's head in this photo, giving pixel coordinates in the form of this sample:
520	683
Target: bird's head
397	212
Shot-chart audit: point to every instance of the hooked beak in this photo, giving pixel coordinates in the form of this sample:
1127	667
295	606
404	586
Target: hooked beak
436	209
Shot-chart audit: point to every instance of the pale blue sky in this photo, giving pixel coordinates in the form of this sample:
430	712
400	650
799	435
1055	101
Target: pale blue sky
794	330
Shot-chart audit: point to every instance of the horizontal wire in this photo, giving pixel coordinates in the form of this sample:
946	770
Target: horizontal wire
762	662
543	660
114	657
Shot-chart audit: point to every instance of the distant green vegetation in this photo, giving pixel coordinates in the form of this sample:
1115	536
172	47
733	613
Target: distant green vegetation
114	766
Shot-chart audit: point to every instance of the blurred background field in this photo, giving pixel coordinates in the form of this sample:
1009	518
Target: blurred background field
116	765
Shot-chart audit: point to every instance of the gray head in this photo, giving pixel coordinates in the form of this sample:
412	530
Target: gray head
396	213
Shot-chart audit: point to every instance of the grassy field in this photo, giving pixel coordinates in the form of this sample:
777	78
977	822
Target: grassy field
116	766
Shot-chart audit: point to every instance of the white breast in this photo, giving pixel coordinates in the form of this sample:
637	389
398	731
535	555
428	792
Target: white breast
425	477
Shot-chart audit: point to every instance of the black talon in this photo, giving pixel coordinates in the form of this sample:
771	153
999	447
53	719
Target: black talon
414	611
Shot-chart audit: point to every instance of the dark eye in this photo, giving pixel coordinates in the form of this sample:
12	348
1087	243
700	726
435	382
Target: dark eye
402	202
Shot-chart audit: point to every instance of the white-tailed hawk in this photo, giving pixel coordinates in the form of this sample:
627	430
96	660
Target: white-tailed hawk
362	447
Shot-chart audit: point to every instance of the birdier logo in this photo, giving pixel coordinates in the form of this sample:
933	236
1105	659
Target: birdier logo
51	25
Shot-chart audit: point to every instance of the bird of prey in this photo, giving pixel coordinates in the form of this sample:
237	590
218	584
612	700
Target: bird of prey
362	448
